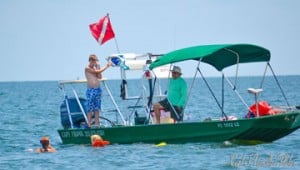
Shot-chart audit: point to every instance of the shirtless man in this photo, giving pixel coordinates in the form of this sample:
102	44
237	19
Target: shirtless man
46	147
93	73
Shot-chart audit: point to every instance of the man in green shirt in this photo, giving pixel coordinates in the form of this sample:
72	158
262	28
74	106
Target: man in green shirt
176	98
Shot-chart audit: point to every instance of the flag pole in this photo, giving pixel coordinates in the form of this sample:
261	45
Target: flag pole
116	42
117	45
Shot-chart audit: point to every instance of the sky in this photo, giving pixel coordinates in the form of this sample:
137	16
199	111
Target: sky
50	39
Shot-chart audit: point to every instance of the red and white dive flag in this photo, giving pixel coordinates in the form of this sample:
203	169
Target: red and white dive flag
102	31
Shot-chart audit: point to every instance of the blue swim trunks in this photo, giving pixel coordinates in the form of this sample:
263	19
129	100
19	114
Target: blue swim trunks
93	96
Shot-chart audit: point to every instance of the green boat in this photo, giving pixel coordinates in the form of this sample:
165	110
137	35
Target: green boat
256	128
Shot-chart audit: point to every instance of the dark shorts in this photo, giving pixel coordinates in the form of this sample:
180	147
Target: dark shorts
167	106
93	96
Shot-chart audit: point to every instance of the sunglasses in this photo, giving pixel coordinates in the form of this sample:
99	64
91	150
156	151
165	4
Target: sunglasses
44	142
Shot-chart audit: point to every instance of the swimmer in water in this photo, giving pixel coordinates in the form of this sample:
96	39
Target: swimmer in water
97	141
46	147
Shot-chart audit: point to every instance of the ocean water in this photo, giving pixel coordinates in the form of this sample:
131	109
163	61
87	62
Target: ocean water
30	110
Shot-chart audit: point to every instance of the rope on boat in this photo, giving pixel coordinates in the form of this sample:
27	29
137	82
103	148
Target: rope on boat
265	72
192	85
275	77
214	96
236	92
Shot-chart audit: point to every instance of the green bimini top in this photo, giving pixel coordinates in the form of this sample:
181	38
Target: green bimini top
219	56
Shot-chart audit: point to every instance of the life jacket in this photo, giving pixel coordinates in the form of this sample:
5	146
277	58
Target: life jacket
100	143
264	109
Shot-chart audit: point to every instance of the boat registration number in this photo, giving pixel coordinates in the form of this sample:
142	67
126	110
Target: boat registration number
228	125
